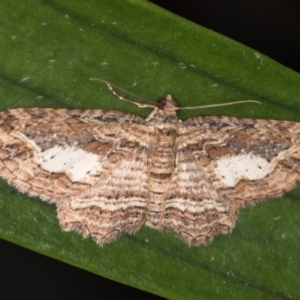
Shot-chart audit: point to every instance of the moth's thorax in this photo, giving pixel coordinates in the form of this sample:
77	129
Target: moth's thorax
165	111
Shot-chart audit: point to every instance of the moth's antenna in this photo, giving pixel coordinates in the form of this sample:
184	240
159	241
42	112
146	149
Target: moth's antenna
112	86
220	104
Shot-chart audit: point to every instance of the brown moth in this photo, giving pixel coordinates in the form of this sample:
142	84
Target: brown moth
110	172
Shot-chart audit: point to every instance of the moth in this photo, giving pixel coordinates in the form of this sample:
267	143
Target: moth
110	172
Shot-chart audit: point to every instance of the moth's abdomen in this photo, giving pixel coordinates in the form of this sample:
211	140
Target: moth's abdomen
160	172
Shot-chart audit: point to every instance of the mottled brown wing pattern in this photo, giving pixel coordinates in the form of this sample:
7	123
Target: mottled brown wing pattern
195	210
208	188
276	142
101	204
113	205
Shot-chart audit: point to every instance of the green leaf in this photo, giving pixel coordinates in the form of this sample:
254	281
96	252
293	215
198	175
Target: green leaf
50	49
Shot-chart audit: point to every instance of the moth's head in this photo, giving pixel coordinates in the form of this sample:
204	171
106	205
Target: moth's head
167	104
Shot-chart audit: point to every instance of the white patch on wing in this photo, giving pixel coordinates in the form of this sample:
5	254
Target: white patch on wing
76	163
231	169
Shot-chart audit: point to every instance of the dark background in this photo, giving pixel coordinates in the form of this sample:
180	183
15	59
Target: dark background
271	27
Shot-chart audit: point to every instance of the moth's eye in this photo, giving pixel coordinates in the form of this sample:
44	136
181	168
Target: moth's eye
161	103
